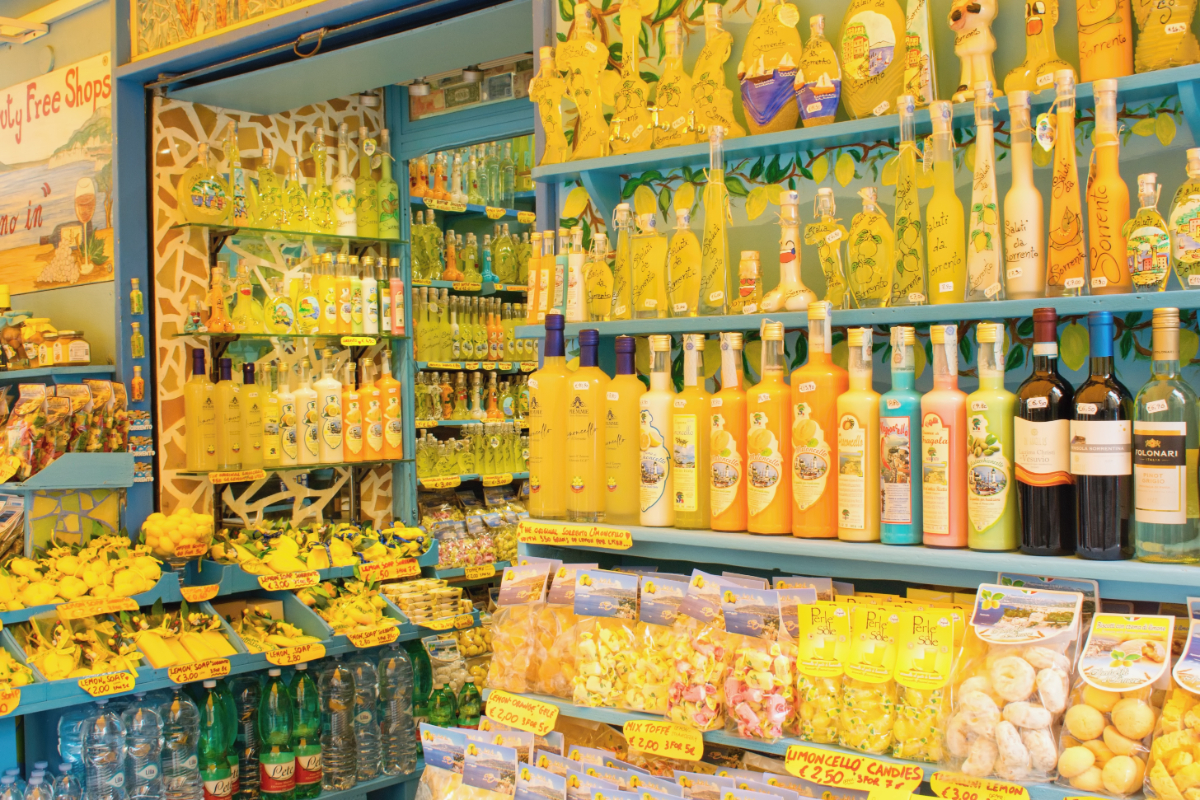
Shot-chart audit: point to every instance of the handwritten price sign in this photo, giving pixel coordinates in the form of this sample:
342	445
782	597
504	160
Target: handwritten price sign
238	476
440	624
845	771
530	532
526	217
464	621
358	341
493	212
99	605
198	594
288	656
193	550
445	205
479	572
466	286
522	713
389	569
9	700
104	685
292	580
664	739
528	366
199	671
956	786
503	479
445	482
425	423
375	637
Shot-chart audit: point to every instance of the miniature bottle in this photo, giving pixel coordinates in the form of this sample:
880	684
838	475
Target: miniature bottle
791	294
622	292
1024	231
137	386
899	431
1066	263
727	445
749	295
137	306
712	98
768	68
281	317
598	280
1148	245
768	440
828	234
871	254
985	255
137	343
656	418
821	91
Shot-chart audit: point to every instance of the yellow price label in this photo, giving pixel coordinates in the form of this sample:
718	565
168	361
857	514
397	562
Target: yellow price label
374	638
199	671
425	423
464	621
287	656
358	341
505	365
470	365
198	594
479	572
522	713
526	216
530	532
421	282
493	212
94	607
956	786
191	550
528	366
291	580
238	476
445	205
664	739
443	365
9	700
503	479
466	286
444	482
110	683
847	771
440	624
389	569
489	365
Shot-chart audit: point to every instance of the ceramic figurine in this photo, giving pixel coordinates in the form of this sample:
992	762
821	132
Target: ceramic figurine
971	21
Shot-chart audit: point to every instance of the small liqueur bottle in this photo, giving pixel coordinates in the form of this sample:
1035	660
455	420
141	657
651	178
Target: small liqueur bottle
137	387
137	344
137	305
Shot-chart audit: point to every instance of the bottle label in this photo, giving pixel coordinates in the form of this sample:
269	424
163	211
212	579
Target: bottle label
393	431
581	439
655	464
764	463
218	784
331	419
312	429
726	466
374	425
988	473
810	457
148	772
346	308
287	430
308	314
1160	489
687	476
277	772
354	427
1042	451
895	470
935	476
329	303
1100	447
1148	255
308	765
852	478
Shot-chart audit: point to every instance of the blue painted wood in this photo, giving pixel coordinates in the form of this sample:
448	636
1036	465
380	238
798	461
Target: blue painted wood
80	471
486	123
57	374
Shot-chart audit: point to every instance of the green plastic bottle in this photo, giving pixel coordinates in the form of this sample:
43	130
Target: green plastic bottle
442	708
231	726
276	754
213	751
306	734
470	705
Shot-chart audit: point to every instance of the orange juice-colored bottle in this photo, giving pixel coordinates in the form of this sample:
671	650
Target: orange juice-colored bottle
815	389
727	494
768	440
393	430
372	405
858	446
352	416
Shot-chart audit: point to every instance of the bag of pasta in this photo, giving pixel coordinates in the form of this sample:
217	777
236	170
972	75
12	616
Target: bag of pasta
1173	768
868	712
647	687
1011	683
699	654
924	663
822	646
760	690
606	608
1106	731
790	601
444	754
522	593
556	627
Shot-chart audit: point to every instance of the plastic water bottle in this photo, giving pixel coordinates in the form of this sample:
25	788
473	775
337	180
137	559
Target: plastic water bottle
231	726
15	774
143	750
67	785
246	693
366	717
39	789
213	753
70	737
306	734
104	755
41	766
338	747
9	789
395	709
181	737
276	754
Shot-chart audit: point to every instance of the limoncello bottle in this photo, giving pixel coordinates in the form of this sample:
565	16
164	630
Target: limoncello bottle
649	270
727	441
1024	230
582	58
239	213
270	193
203	195
1066	262
992	508
899	441
1148	246
295	200
1105	40
815	389
872	254
329	406
656	410
200	417
920	75
820	77
632	124
768	440
548	427
598	279
622	450
984	254
712	98
388	192
683	268
945	230
547	89
791	294
585	454
690	440
828	235
768	68
229	419
908	284
622	291
858	446
1036	73
271	416
281	314
714	257
1107	198
675	114
576	296
345	205
1185	224
1165	38
872	58
320	202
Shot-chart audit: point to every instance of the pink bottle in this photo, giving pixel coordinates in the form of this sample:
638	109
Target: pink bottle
944	446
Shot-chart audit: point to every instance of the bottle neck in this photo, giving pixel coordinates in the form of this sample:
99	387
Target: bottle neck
1100	366
1047	364
625	364
555	347
731	369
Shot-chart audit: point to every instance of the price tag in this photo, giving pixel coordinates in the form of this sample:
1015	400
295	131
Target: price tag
1073	283
198	594
528	366
440	624
489	365
358	341
530	532
522	713
472	365
240	476
505	365
479	572
833	236
104	685
445	205
846	771
375	637
292	580
493	212
9	700
955	786
193	550
466	286
526	216
421	282
445	482
97	605
199	671
288	656
502	479
389	569
425	423
444	365
1155	406
664	739
464	621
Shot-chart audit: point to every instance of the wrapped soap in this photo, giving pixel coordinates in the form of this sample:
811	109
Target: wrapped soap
606	605
699	652
646	687
514	651
924	663
822	646
761	685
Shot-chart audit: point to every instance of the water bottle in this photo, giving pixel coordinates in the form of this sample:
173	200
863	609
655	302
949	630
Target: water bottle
231	725
338	748
246	693
213	752
306	734
104	755
67	785
15	774
276	754
443	709
395	709
9	789
181	737
41	766
70	737
39	789
366	717
143	750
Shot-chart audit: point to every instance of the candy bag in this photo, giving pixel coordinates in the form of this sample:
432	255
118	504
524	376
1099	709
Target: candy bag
606	605
1015	665
119	435
556	624
924	663
868	685
647	688
822	646
1105	738
790	601
58	432
699	653
81	414
761	686
99	440
26	427
522	592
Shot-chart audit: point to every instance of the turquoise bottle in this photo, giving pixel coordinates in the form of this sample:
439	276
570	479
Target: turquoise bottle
899	431
488	275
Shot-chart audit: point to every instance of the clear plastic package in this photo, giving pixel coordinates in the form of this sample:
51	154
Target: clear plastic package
823	645
606	607
761	685
514	658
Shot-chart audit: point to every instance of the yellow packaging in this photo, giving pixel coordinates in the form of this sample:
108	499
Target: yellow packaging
824	641
924	661
868	686
929	594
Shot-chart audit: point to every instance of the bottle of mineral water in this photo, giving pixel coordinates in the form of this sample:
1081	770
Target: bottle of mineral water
338	747
246	694
143	750
9	789
366	717
395	708
104	755
67	785
181	738
277	753
213	752
39	789
15	773
70	737
231	726
306	734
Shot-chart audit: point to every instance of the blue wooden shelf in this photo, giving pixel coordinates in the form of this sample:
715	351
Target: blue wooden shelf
80	471
57	374
1123	580
476	210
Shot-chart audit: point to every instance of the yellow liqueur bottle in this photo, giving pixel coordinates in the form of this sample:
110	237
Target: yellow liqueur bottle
872	254
320	202
858	446
1148	246
632	123
586	434
252	420
769	441
229	420
622	450
656	410
714	258
674	114
908	284
690	440
200	417
622	291
548	389
791	294
920	75
366	189
1036	72
713	99
1185	225
649	270
683	267
945	229
1066	262
548	89
582	58
872	56
768	68
984	252
203	194
992	513
820	77
1107	198
598	277
727	444
829	235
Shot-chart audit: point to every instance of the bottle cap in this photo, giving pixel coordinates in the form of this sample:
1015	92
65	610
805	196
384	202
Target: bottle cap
941	334
789	198
816	24
274	673
302	666
1103	85
198	362
732	340
626	344
904	336
941	113
248	373
693	341
1045	325
589	337
1064	81
1147	182
819	310
858	337
1019	98
554	320
135	283
660	343
749	255
989	332
772	331
546	53
210	684
983	93
64	768
906	105
1166	318
7	780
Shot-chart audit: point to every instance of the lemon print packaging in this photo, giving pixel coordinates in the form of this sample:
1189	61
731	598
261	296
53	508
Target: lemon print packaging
1171	768
522	594
699	653
868	685
556	628
823	643
606	605
646	688
761	688
924	660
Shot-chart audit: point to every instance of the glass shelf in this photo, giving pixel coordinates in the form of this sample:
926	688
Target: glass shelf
234	230
379	337
299	467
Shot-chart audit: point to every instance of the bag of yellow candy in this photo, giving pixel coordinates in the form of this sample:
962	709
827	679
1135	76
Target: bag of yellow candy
761	686
924	663
606	605
1173	766
790	601
868	685
699	653
822	645
522	593
1105	736
556	627
646	689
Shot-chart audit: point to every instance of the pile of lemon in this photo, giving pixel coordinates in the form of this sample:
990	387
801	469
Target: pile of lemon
165	534
108	566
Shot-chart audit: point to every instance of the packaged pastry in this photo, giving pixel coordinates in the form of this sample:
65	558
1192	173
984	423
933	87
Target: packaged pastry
699	653
924	662
1106	731
606	608
761	687
444	755
647	689
868	683
790	601
522	593
822	647
1011	684
1173	767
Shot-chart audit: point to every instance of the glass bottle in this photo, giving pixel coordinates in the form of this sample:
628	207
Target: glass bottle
944	446
281	317
985	253
908	284
649	270
1105	40
822	89
218	318
683	267
203	195
270	194
1107	198
631	124
1065	259
418	176
585	453
622	292
366	189
388	192
828	234
1042	448
295	200
690	441
791	294
598	280
1165	38
548	427
768	440
674	112
712	97
508	178
945	226
137	343
1148	245
1165	438
993	515
1024	230
858	445
457	192
271	413
767	70
727	494
137	305
872	254
576	297
1185	224
656	410
714	278
1101	446
899	426
229	419
245	318
547	89
252	420
327	295
320	202
137	386
200	417
345	204
622	452
749	295
872	72
329	405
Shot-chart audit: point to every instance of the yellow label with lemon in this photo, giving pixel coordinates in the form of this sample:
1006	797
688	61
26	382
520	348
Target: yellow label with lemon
925	648
824	639
872	643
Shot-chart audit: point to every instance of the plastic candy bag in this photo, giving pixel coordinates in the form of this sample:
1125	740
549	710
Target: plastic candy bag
868	686
823	645
606	604
556	631
924	664
26	427
790	601
700	656
1171	766
761	686
647	687
514	660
